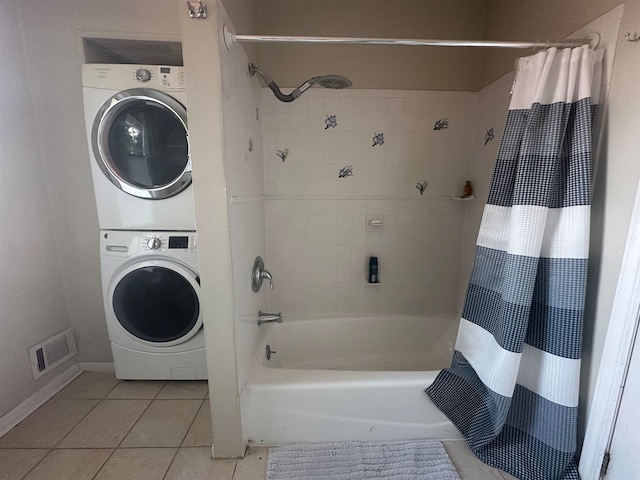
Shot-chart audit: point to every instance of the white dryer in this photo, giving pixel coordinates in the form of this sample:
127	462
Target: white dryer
136	123
151	294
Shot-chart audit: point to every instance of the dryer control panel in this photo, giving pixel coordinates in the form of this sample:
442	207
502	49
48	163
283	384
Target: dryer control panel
122	77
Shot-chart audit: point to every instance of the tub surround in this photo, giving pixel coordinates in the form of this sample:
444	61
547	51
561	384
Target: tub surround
355	154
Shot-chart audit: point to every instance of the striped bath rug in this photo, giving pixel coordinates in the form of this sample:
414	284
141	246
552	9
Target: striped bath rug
352	460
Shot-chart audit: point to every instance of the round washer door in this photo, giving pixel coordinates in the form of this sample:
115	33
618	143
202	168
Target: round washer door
156	302
141	143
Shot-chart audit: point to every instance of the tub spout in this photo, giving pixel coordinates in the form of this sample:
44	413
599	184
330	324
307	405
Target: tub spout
264	317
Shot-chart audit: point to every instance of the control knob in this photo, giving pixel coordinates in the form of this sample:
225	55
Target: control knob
143	75
154	243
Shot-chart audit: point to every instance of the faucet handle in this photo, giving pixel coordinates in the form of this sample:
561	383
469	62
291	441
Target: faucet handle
258	274
265	274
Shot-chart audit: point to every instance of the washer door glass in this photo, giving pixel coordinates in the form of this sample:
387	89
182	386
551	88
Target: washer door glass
156	304
141	143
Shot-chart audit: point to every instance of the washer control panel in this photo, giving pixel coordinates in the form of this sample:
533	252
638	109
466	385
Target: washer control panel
174	242
130	244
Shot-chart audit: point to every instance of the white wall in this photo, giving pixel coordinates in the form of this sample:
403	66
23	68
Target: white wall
32	298
243	158
222	101
317	235
616	179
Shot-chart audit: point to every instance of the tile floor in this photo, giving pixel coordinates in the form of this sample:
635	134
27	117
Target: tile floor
102	428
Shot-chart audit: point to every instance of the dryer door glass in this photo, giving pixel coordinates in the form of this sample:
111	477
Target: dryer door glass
156	304
141	143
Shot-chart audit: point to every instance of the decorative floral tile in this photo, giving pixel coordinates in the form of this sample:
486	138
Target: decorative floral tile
378	139
283	154
441	124
331	122
422	187
345	171
489	136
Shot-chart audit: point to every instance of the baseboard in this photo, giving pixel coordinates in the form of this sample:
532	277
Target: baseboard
35	401
96	366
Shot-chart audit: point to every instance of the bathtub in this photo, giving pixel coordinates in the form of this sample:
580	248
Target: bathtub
348	379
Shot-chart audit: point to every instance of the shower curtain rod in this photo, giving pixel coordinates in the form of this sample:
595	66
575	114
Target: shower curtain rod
231	39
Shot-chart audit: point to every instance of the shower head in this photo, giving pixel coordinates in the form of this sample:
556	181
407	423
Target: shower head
326	81
337	82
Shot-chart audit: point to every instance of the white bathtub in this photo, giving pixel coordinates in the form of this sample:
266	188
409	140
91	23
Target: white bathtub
348	379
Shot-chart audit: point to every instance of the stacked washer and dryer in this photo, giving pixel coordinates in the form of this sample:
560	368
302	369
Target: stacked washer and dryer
140	161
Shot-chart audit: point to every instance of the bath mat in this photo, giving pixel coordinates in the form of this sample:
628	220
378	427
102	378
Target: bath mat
397	460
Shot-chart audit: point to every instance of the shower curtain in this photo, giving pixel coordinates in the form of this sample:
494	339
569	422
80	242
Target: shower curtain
512	388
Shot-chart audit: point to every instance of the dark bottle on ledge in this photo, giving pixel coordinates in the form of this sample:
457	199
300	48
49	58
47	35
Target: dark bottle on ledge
373	270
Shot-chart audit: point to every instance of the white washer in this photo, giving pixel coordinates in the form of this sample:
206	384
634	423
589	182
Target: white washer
136	123
151	291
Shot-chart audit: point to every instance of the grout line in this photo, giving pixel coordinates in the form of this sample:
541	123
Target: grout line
113	450
193	420
134	423
38	463
235	468
171	462
78	422
112	389
164	384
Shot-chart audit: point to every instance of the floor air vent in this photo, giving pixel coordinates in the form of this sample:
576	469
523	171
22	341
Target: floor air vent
52	352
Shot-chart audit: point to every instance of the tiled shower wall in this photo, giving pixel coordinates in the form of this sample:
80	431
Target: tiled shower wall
404	156
491	115
244	176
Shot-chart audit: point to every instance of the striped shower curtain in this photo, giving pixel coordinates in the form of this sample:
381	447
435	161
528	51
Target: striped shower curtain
512	388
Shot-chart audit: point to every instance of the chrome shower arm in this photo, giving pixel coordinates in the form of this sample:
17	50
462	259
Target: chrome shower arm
327	81
272	85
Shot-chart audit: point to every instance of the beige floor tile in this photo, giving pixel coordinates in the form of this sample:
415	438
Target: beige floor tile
15	463
106	425
137	464
77	464
135	389
184	390
468	466
253	466
195	463
45	427
199	435
164	424
89	385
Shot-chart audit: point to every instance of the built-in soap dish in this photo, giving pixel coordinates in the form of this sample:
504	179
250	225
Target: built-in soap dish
375	223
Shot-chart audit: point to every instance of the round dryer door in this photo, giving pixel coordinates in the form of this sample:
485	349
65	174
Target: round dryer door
141	143
156	301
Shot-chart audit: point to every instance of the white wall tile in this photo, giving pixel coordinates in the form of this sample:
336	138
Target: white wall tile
317	230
